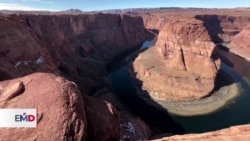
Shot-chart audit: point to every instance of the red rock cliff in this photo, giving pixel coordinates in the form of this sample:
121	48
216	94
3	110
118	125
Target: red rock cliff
77	46
223	28
241	43
180	64
222	24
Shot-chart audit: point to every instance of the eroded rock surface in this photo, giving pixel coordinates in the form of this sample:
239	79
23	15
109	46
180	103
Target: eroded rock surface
63	112
180	66
77	46
235	133
240	44
102	119
131	128
223	27
222	24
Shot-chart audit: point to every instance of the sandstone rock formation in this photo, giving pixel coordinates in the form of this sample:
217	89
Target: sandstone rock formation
131	128
63	114
236	58
77	46
223	28
222	24
102	118
180	66
240	44
235	133
237	53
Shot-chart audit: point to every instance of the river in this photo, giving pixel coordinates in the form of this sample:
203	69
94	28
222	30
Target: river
235	113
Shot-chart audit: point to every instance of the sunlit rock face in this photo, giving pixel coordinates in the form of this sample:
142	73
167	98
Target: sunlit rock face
241	43
234	133
180	65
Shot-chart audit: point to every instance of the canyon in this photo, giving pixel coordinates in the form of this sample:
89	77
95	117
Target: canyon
59	63
187	56
78	48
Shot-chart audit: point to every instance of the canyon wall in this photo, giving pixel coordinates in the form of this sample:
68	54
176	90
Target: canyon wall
77	47
222	25
240	44
223	28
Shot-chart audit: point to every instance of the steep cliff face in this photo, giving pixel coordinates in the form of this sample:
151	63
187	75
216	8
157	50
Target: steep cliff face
241	43
155	21
237	54
223	28
78	46
222	25
181	64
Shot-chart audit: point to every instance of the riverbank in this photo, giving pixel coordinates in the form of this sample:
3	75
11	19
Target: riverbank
225	90
206	105
203	106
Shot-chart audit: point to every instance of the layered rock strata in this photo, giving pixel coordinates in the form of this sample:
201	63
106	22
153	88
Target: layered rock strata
237	53
240	44
77	46
180	66
223	28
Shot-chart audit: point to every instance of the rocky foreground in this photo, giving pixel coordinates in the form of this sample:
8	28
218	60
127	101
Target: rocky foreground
63	114
235	133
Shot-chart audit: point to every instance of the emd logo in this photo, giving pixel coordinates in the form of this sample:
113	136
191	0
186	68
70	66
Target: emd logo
24	118
16	118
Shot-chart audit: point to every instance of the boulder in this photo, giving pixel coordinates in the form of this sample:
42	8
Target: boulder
63	112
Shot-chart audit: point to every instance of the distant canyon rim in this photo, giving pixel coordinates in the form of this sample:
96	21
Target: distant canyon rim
59	63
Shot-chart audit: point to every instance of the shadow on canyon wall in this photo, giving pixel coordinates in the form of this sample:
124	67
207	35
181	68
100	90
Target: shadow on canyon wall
212	23
237	64
4	75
